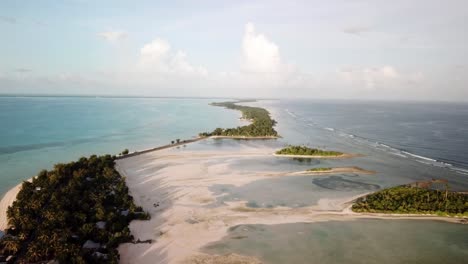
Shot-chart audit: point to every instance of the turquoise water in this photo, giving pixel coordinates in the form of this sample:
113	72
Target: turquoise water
37	132
360	241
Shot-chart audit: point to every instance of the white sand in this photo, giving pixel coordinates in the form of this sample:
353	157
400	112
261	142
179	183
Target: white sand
183	223
7	201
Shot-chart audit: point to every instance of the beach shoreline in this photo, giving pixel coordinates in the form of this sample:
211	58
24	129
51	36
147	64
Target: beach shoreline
6	201
183	223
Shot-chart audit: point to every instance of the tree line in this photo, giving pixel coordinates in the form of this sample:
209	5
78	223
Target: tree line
262	124
414	200
76	213
306	151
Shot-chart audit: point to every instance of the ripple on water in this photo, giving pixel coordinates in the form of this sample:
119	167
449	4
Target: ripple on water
358	241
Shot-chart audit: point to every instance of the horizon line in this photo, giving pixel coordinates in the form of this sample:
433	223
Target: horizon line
225	97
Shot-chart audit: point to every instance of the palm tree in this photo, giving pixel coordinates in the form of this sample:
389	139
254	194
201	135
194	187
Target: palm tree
34	253
11	244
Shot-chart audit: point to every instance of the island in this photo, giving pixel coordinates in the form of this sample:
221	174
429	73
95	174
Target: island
415	199
78	212
327	170
306	152
321	169
261	127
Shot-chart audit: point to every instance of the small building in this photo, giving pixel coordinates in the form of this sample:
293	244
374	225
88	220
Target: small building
101	225
100	255
124	212
89	244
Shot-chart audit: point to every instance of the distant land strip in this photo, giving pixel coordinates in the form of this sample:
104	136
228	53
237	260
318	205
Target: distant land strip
260	128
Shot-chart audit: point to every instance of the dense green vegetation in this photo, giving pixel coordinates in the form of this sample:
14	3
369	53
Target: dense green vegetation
408	199
261	126
306	151
124	152
76	213
319	169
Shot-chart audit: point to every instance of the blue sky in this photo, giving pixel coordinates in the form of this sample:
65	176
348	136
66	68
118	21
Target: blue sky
367	49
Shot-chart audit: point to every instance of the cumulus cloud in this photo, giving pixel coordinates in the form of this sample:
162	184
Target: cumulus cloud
113	36
160	69
158	57
259	53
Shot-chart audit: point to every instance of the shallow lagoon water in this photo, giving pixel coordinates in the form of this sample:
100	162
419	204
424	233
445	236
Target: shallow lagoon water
294	191
358	241
38	132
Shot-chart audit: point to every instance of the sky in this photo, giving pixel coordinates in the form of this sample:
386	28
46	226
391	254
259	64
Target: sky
340	49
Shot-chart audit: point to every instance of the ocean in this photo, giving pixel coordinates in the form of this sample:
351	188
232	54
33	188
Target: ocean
401	142
37	132
433	133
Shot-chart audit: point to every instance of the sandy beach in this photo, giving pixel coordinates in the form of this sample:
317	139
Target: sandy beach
173	186
7	201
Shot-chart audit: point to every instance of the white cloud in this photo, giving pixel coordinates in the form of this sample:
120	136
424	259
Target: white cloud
161	69
389	71
259	53
113	36
157	57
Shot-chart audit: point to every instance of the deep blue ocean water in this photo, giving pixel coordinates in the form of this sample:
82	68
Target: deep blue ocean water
432	133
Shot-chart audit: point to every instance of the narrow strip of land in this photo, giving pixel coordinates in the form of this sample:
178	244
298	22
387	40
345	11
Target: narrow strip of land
181	143
328	171
340	156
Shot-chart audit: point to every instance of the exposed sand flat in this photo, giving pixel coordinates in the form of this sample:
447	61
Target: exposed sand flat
183	222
